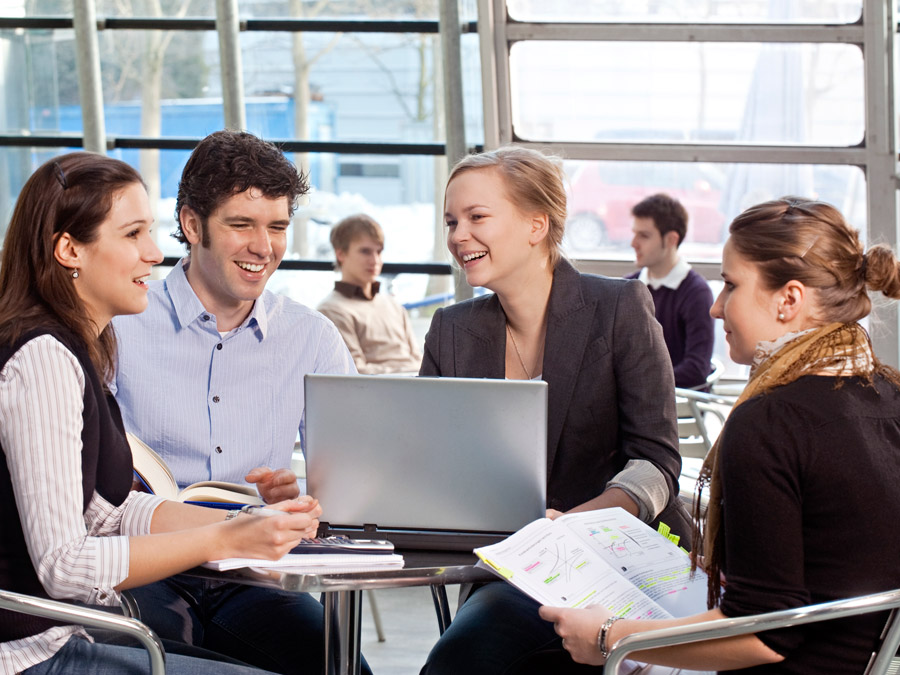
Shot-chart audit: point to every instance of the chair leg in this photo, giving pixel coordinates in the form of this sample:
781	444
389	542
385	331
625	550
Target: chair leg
376	615
441	606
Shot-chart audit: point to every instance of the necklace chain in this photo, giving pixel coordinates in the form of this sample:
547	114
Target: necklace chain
518	353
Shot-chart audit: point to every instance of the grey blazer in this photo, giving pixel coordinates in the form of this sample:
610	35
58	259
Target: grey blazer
611	387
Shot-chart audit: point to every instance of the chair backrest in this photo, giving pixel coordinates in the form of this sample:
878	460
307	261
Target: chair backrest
718	369
879	664
83	616
694	411
693	438
697	412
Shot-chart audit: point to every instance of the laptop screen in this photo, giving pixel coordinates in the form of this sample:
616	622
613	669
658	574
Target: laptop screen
453	455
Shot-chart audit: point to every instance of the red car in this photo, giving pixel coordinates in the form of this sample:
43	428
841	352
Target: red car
603	193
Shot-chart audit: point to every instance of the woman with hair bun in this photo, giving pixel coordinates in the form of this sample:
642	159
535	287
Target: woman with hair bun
803	478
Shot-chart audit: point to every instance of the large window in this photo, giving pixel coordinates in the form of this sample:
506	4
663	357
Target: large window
722	104
803	94
355	92
602	194
688	11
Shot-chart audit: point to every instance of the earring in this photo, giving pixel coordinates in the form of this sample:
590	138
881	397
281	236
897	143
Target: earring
780	316
75	273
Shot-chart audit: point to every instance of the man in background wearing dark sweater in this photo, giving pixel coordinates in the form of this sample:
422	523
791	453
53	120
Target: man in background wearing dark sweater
682	297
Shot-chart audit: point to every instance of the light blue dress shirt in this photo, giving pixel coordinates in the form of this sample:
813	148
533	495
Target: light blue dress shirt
215	407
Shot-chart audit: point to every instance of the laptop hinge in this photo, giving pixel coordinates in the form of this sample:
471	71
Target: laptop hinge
370	528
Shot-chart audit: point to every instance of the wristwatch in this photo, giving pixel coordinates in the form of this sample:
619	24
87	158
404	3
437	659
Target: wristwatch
602	641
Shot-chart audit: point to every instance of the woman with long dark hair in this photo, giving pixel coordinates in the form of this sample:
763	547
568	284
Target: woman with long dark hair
77	252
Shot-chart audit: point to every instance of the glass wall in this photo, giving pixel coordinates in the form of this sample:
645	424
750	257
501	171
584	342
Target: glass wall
688	11
804	94
162	85
721	104
601	195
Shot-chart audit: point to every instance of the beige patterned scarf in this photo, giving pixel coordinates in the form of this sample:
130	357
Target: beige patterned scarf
834	349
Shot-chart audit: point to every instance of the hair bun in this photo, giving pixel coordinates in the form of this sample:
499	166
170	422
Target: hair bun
881	270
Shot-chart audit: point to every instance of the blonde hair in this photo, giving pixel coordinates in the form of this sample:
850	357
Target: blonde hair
535	181
809	241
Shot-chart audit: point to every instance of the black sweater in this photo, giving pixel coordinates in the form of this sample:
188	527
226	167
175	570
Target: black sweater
105	466
811	506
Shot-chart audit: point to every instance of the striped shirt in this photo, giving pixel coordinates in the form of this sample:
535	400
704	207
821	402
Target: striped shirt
80	556
216	406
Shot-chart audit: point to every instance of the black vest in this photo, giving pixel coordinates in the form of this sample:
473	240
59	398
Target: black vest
106	467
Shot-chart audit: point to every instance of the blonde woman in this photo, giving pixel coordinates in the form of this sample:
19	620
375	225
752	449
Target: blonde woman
611	433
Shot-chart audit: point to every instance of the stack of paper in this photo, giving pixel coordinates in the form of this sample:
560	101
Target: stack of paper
319	563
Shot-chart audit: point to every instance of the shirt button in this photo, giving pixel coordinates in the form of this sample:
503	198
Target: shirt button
219	449
219	346
206	317
215	399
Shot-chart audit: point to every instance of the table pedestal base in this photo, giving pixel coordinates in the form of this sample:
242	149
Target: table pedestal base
343	629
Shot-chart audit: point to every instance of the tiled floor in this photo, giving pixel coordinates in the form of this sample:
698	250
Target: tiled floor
410	627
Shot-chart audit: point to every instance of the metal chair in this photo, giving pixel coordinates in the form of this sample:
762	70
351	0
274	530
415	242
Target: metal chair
879	664
718	369
94	618
694	410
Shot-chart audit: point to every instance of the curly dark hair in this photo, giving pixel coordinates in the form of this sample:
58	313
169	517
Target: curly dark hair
229	162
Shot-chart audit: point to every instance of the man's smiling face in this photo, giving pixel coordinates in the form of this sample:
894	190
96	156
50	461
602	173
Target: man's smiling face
245	240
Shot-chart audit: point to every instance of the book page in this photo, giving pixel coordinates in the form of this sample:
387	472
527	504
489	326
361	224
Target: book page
646	558
151	469
552	565
220	491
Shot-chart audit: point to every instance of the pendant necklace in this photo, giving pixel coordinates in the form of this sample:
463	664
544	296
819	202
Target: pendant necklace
518	353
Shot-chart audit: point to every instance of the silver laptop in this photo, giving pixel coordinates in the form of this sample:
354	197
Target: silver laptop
429	463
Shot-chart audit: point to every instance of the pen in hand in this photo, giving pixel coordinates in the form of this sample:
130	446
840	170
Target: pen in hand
255	510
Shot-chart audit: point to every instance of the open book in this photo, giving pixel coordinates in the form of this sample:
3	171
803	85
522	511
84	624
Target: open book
157	478
606	556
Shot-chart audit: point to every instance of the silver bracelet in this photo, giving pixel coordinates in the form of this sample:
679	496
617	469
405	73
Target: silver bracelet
233	513
602	636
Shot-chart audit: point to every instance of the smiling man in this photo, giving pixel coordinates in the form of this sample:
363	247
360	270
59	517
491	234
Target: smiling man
211	377
375	327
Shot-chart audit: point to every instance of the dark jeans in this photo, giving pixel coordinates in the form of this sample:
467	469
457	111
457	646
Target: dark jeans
269	629
498	631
